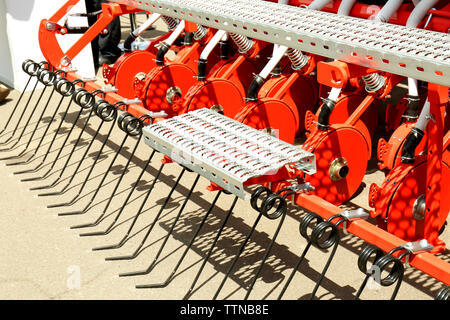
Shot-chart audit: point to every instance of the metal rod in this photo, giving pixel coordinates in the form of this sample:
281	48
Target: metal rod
211	249
152	265
191	242
166	201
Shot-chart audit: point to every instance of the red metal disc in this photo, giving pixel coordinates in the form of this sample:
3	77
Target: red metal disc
163	80
221	94
302	94
341	154
273	115
126	68
400	217
241	77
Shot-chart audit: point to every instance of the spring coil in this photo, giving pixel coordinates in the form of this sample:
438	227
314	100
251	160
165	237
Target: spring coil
373	82
298	59
242	42
200	33
443	294
171	22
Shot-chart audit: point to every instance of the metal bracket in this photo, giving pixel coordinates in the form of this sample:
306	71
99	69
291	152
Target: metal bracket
416	247
131	101
351	215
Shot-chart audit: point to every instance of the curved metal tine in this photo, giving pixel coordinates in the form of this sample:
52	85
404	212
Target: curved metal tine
191	242
23	113
49	147
166	201
26	124
91	169
161	248
38	122
241	249
99	186
70	157
105	209
109	228
211	249
86	121
325	268
266	255
16	105
43	135
297	265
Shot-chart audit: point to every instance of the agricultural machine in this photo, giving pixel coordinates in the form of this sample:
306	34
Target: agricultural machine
281	103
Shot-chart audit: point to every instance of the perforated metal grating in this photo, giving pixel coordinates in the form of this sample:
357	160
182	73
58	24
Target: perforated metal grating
223	150
420	54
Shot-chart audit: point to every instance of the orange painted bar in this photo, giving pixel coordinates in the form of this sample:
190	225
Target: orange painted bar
426	262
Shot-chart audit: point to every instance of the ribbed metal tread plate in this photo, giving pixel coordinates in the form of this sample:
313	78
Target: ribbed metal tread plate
416	53
224	150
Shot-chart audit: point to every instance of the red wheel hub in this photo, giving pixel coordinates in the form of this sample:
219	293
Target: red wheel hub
341	154
164	85
221	94
272	115
122	74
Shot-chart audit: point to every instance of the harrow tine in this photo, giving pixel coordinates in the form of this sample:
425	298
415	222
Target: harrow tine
33	73
191	242
166	201
161	248
211	249
332	240
241	249
108	113
132	127
88	103
30	67
109	228
47	78
69	157
69	89
381	263
105	210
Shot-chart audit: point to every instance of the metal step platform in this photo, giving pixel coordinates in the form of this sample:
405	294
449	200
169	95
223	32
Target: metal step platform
224	150
411	52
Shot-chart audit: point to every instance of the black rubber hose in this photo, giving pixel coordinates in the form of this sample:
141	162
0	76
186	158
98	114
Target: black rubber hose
224	50
253	90
412	112
323	122
188	38
162	53
201	75
409	148
128	41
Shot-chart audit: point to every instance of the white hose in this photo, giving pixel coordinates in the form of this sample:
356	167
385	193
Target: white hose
151	20
212	44
318	4
175	34
346	7
388	10
278	54
424	117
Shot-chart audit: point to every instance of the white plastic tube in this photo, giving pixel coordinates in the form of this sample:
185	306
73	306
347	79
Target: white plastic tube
346	7
388	10
424	117
318	4
212	44
278	54
176	33
151	20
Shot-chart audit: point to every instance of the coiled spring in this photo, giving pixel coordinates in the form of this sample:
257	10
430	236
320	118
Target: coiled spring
171	22
242	42
373	82
443	294
200	33
298	59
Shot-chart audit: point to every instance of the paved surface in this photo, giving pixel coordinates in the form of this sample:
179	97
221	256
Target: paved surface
41	257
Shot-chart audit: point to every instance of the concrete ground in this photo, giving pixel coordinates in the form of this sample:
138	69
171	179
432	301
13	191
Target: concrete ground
41	257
